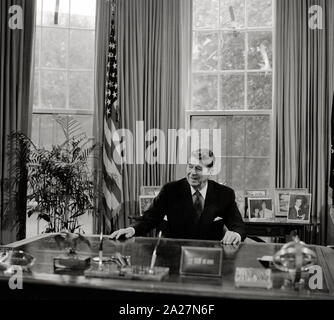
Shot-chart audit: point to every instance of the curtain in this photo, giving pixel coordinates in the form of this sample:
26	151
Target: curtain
303	85
16	66
150	47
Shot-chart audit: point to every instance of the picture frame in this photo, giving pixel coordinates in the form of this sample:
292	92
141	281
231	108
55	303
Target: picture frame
252	194
282	198
303	202
150	190
261	208
145	202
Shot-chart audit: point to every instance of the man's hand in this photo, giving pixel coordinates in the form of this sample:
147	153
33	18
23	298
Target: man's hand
231	237
127	232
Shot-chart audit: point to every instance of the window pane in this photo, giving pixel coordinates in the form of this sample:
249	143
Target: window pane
205	13
258	136
205	89
257	173
35	129
81	90
260	50
260	90
49	10
37	44
36	88
83	13
237	136
232	13
232	87
39	13
221	176
81	49
86	122
46	131
54	48
238	173
232	50
53	89
259	13
205	47
207	122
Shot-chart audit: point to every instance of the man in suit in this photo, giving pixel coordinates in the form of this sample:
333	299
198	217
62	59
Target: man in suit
297	212
196	207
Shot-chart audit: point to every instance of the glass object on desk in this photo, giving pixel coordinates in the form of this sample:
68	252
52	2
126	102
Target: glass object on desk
295	258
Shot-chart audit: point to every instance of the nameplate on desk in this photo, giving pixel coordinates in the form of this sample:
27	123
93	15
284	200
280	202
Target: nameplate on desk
201	261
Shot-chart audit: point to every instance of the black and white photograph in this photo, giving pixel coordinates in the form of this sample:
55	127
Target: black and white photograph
145	202
252	194
171	151
261	208
282	199
299	207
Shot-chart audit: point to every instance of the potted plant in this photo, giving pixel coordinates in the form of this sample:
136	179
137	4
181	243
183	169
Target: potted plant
59	181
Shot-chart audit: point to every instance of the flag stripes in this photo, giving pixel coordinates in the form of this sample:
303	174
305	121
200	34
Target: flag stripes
111	168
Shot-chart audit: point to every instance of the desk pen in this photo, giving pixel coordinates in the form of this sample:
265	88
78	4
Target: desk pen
154	255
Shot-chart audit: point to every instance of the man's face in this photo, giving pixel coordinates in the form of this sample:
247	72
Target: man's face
264	206
298	203
197	173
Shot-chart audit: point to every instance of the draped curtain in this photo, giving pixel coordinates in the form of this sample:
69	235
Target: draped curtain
150	47
303	96
16	66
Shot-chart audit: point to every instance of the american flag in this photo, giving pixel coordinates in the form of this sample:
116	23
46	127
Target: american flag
112	168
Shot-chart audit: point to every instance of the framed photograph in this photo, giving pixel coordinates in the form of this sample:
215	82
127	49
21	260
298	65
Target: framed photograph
252	194
282	198
150	190
144	203
261	208
299	207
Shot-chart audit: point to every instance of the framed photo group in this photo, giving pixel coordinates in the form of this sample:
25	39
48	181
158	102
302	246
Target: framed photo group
292	204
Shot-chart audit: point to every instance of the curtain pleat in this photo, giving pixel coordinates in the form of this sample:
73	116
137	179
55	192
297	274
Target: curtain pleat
303	93
16	85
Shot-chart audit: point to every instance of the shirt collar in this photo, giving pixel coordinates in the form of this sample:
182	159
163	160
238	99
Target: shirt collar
202	191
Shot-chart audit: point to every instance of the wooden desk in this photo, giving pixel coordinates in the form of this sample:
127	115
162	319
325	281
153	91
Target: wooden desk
51	285
279	228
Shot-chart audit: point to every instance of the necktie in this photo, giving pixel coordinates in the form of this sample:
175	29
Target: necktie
197	198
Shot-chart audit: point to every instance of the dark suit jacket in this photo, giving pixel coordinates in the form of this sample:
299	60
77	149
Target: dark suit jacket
175	201
293	214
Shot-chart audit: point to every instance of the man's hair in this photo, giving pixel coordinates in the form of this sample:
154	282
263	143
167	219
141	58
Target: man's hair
299	198
205	156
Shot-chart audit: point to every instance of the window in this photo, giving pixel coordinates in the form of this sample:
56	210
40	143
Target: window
232	86
64	66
